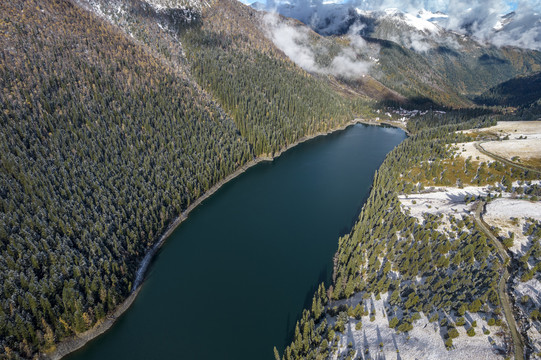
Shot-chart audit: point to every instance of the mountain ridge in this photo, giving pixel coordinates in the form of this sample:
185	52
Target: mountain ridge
461	62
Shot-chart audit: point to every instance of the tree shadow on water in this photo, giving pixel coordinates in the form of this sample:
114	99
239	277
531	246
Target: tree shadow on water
307	304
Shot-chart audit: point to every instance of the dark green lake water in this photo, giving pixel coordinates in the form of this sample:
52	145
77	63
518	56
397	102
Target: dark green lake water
233	279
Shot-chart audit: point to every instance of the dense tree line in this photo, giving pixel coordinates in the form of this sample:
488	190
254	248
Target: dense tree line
528	112
274	103
519	91
435	118
440	269
101	146
530	261
105	141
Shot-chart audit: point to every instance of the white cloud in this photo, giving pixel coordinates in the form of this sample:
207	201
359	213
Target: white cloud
480	18
294	41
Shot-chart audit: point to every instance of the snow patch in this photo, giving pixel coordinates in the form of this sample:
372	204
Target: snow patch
532	289
425	341
442	200
508	208
509	215
417	22
421	24
178	4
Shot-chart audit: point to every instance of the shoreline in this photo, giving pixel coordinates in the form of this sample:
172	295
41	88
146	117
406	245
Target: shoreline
384	122
78	341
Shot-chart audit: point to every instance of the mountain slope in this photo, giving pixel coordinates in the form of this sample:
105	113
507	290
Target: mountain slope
101	145
274	102
519	91
221	36
106	137
470	67
413	76
420	58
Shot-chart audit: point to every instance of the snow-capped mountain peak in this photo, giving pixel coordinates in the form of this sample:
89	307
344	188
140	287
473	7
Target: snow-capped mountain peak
504	20
421	21
431	16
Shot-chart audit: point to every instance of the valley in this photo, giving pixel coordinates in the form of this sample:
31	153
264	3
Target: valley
119	118
198	298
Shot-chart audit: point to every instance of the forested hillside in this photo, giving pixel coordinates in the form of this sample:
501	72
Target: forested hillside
106	139
445	75
224	47
522	94
414	76
101	146
519	91
439	268
275	103
464	64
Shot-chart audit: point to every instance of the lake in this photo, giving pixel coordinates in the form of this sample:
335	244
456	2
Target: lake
233	279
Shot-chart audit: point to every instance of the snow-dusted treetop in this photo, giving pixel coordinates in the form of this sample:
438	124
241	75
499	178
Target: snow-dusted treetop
178	4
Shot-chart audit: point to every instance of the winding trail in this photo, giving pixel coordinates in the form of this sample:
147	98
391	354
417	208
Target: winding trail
480	148
518	342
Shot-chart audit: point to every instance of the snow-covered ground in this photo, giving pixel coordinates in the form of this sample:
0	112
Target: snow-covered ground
524	141
449	201
509	215
532	289
506	213
468	149
529	148
508	208
516	128
425	341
